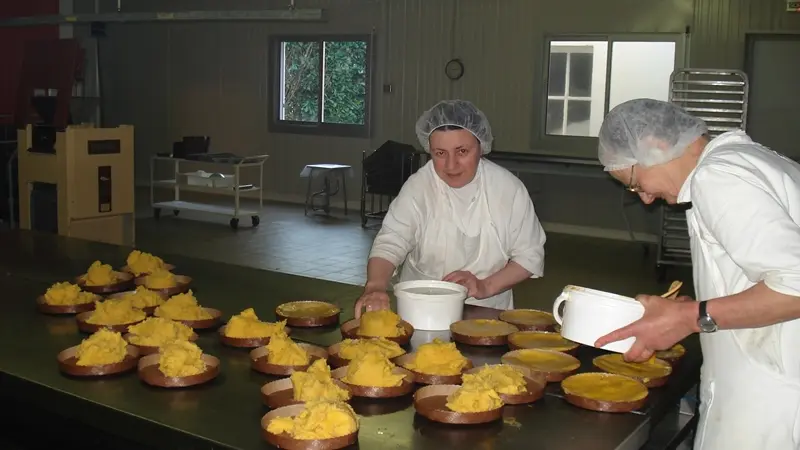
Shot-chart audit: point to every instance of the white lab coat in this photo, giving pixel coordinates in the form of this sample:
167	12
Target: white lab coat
432	230
744	229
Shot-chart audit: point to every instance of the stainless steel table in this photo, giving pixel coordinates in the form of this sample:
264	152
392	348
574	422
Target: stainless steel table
226	413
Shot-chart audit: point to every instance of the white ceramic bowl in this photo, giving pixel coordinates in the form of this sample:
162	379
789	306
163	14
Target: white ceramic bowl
429	304
590	314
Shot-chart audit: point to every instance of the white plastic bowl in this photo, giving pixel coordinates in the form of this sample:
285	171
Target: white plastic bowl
429	304
590	314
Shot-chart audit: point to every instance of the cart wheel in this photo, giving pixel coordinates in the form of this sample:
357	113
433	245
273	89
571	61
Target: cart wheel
234	223
256	220
156	213
175	212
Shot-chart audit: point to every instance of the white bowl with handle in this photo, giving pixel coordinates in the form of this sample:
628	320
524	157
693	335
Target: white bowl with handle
430	305
590	314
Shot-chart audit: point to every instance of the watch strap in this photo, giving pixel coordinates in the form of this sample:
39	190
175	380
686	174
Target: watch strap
703	310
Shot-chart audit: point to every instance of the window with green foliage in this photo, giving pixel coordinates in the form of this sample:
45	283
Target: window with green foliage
321	85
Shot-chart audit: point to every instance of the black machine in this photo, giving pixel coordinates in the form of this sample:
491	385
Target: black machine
384	172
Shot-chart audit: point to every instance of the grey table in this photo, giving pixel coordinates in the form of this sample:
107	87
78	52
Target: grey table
225	414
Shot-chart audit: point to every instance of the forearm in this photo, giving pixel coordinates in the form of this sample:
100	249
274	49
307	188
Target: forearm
756	307
505	278
379	273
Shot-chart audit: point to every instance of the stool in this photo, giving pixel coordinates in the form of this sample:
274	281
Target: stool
329	172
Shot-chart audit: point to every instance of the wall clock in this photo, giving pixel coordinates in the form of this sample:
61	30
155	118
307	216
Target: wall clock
454	69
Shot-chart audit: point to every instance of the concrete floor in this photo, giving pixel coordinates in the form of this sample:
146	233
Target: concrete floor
335	248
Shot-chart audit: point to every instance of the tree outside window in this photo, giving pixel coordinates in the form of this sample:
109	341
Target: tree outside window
322	86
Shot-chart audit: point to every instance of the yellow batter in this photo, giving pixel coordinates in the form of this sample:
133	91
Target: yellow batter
438	358
115	311
246	325
542	340
382	323
158	331
307	309
181	359
144	298
182	307
284	352
675	352
482	328
316	384
542	360
141	263
503	379
351	349
604	387
102	348
473	399
645	371
160	279
67	294
319	420
373	370
529	317
100	274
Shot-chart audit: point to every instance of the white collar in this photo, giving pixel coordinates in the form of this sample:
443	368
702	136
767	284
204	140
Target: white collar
730	137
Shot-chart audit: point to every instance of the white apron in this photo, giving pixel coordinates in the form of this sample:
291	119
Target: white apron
745	404
444	248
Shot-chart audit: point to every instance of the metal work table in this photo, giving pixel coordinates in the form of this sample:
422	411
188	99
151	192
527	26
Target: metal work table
225	414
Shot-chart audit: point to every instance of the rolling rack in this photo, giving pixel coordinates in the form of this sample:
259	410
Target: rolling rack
383	174
720	98
214	183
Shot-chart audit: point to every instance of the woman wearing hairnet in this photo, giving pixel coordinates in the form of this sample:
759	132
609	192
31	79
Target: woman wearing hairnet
460	218
745	244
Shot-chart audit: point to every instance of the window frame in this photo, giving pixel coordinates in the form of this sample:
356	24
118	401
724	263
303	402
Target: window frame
586	146
275	94
566	98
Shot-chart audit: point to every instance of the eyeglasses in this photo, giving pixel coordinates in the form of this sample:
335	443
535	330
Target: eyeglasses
632	186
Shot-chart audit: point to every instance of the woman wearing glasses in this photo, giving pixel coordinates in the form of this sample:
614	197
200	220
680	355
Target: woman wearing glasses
745	244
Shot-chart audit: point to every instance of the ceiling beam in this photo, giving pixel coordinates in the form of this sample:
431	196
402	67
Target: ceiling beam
267	15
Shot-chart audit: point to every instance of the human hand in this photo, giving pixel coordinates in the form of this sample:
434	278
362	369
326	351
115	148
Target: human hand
665	322
371	300
475	288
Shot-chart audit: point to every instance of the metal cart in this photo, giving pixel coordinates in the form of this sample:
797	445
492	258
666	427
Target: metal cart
230	185
720	98
383	174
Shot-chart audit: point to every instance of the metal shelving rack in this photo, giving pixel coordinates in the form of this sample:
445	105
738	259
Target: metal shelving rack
235	190
720	98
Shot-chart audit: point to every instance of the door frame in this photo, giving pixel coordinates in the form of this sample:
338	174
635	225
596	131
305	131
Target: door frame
750	39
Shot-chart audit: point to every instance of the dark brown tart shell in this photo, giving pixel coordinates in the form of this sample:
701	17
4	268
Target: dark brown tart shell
259	360
424	378
287	442
601	405
309	322
45	308
405	388
124	282
152	375
431	403
280	393
350	331
68	364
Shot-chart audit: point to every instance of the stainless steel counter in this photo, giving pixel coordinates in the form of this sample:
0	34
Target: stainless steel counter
226	412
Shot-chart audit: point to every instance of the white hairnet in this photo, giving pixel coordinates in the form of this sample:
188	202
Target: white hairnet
457	113
646	132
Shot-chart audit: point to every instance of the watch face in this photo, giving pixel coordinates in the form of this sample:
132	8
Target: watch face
707	325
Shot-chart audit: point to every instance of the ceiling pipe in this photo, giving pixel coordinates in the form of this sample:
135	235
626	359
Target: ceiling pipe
268	15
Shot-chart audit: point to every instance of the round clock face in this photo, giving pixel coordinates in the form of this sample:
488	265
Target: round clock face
454	69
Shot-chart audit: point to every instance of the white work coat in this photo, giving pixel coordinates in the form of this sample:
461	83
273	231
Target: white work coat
743	227
433	229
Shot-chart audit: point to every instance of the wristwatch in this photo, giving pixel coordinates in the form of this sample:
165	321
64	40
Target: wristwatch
705	322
